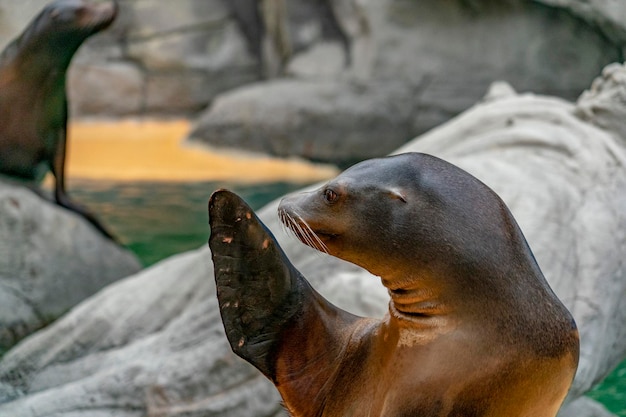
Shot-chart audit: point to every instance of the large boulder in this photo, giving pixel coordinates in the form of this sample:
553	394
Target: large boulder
564	179
608	16
161	58
153	344
326	121
584	407
175	57
157	58
412	66
598	104
14	16
50	260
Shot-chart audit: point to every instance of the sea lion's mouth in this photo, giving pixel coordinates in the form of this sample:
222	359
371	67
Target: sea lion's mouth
295	224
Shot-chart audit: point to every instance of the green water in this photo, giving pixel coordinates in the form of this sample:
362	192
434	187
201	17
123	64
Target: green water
156	220
612	391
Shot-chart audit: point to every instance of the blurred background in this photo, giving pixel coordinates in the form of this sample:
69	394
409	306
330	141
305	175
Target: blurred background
177	99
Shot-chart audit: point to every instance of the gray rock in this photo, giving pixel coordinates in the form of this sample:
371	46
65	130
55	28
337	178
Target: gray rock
585	407
186	52
115	89
172	335
608	16
600	104
153	344
320	120
157	58
154	18
50	260
323	60
449	52
14	16
568	196
439	57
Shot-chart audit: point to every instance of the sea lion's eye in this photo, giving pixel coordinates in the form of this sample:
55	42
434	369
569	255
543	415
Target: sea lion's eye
330	196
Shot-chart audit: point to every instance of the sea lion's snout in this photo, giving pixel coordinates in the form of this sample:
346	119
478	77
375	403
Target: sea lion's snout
294	213
99	16
82	16
75	19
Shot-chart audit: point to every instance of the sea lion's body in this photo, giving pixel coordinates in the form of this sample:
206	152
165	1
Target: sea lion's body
473	328
33	101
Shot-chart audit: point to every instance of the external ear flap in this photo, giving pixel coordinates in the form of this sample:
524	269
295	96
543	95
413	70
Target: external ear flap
398	194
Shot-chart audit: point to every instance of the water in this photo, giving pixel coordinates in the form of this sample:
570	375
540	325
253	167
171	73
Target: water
159	219
156	220
612	391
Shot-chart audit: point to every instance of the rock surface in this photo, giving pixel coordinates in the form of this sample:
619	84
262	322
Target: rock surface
584	407
326	121
170	358
153	343
50	260
157	58
569	186
608	16
598	104
421	62
176	57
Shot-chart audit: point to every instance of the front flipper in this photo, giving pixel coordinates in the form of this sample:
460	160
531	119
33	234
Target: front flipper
258	289
274	319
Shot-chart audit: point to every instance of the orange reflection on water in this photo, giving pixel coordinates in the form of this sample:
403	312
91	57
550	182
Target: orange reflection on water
137	150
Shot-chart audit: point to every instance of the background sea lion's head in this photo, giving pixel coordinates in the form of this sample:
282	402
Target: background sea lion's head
62	26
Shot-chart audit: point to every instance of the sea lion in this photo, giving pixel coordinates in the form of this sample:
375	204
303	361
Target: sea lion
473	328
33	100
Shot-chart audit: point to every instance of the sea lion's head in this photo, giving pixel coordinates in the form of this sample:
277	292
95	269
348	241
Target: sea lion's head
410	211
77	17
62	26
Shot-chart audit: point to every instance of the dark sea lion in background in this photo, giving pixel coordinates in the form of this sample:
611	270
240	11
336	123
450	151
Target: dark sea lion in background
473	327
33	100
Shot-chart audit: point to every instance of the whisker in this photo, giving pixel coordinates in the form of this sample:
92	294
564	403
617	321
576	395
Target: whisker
319	245
301	230
283	220
305	234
